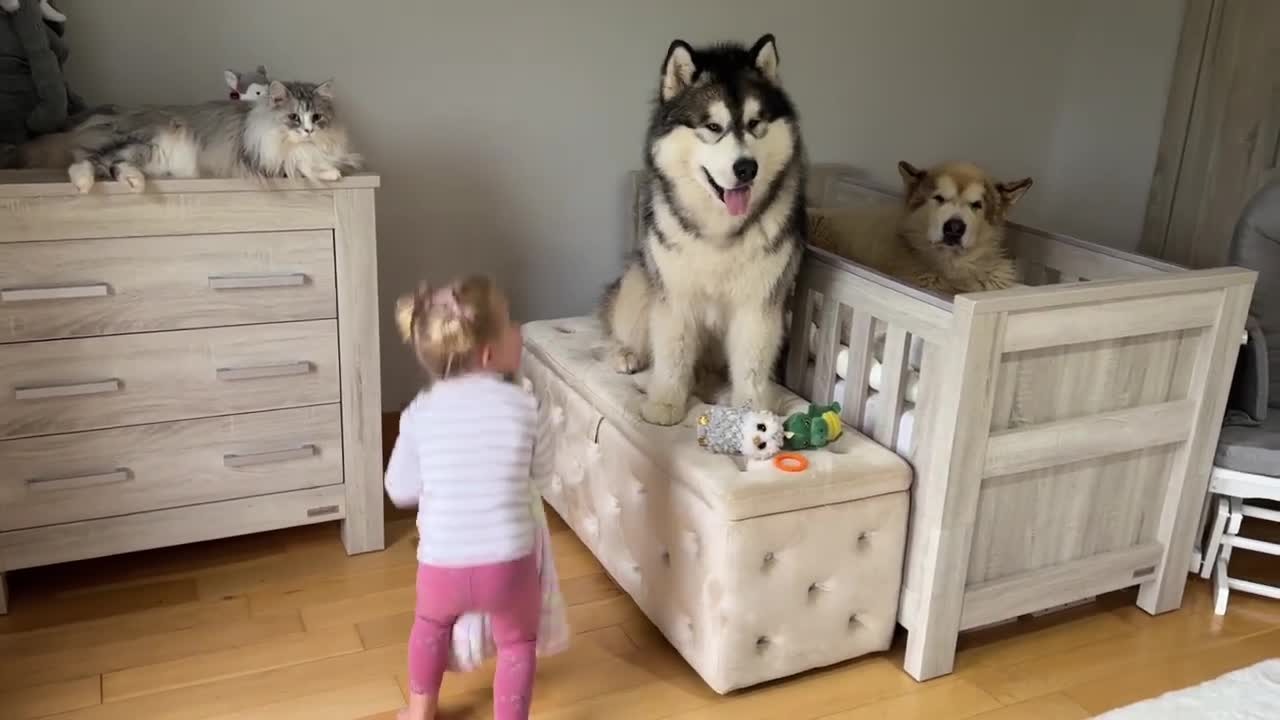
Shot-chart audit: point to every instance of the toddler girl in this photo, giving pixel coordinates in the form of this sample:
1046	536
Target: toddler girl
463	457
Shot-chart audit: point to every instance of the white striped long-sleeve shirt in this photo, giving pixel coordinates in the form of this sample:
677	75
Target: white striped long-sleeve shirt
464	457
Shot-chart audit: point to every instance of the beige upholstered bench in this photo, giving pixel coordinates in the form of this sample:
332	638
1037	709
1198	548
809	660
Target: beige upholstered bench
750	572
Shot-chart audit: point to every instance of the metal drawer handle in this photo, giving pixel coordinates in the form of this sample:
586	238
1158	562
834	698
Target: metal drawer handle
56	292
246	281
274	456
256	372
79	482
45	392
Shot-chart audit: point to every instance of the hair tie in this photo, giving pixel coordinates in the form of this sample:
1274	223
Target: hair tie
446	298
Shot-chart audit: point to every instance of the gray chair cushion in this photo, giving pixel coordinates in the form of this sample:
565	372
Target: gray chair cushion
1256	245
1254	450
1247	404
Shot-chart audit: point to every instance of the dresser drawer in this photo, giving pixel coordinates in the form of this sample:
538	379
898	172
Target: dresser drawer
78	288
60	386
65	478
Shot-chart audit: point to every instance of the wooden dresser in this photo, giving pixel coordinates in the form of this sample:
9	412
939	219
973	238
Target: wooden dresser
194	362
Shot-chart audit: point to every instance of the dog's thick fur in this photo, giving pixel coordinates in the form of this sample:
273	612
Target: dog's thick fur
723	228
947	235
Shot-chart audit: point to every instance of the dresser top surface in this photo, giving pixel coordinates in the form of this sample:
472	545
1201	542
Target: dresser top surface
46	183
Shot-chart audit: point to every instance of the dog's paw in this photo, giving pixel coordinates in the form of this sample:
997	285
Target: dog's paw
752	399
659	412
627	362
81	175
327	174
132	177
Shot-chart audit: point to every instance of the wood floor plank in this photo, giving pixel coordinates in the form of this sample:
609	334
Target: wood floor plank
53	612
295	594
380	695
239	694
44	700
944	699
1163	637
812	695
121	627
1144	681
1049	707
588	588
602	613
270	654
76	662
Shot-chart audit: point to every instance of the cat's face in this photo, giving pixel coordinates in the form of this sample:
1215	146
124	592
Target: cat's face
303	110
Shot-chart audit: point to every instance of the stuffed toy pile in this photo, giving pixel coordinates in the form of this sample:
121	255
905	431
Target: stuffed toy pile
34	98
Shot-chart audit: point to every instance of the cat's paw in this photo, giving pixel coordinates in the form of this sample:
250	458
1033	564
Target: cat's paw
81	175
663	411
627	362
132	177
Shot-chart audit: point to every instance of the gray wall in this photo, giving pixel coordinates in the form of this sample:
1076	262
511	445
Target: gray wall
503	128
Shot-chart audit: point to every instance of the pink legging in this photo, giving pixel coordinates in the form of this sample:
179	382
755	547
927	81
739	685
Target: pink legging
510	593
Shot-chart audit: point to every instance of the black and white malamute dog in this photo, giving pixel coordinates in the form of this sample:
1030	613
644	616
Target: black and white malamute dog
723	228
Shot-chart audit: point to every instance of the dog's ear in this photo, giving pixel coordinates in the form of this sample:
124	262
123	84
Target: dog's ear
765	55
677	70
233	80
1011	192
911	176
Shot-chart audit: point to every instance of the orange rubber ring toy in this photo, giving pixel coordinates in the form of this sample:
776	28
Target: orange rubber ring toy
791	462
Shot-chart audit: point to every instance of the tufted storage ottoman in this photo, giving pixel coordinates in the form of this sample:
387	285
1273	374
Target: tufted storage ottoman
751	573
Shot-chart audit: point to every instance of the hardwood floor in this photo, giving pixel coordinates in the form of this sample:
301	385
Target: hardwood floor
285	625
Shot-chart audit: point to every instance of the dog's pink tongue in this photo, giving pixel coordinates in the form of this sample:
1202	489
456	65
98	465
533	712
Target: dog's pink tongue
735	200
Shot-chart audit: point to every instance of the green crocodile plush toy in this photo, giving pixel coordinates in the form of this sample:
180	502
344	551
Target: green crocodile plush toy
813	429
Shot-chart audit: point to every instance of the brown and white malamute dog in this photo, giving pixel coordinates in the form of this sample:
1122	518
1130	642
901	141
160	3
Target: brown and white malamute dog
723	218
947	235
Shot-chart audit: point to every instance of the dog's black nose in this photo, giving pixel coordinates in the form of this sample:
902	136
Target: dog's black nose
745	169
953	228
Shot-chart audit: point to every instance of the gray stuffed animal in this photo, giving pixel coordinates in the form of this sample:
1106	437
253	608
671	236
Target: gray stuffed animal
247	85
34	98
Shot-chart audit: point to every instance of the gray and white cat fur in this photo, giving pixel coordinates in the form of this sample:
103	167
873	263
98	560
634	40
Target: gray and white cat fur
294	132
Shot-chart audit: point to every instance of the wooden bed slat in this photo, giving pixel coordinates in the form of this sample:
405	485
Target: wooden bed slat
893	373
824	364
1026	592
861	337
798	349
1032	330
1048	445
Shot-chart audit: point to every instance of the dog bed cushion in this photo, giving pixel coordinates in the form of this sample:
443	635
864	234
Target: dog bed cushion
751	573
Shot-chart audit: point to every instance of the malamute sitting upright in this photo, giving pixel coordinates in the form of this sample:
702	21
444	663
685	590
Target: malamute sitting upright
723	227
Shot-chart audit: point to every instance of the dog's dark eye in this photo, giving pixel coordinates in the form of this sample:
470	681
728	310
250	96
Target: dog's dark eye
293	117
761	427
753	126
317	117
977	205
939	199
715	128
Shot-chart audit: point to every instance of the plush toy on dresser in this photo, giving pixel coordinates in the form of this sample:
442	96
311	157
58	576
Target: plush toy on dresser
757	434
813	429
34	99
247	85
